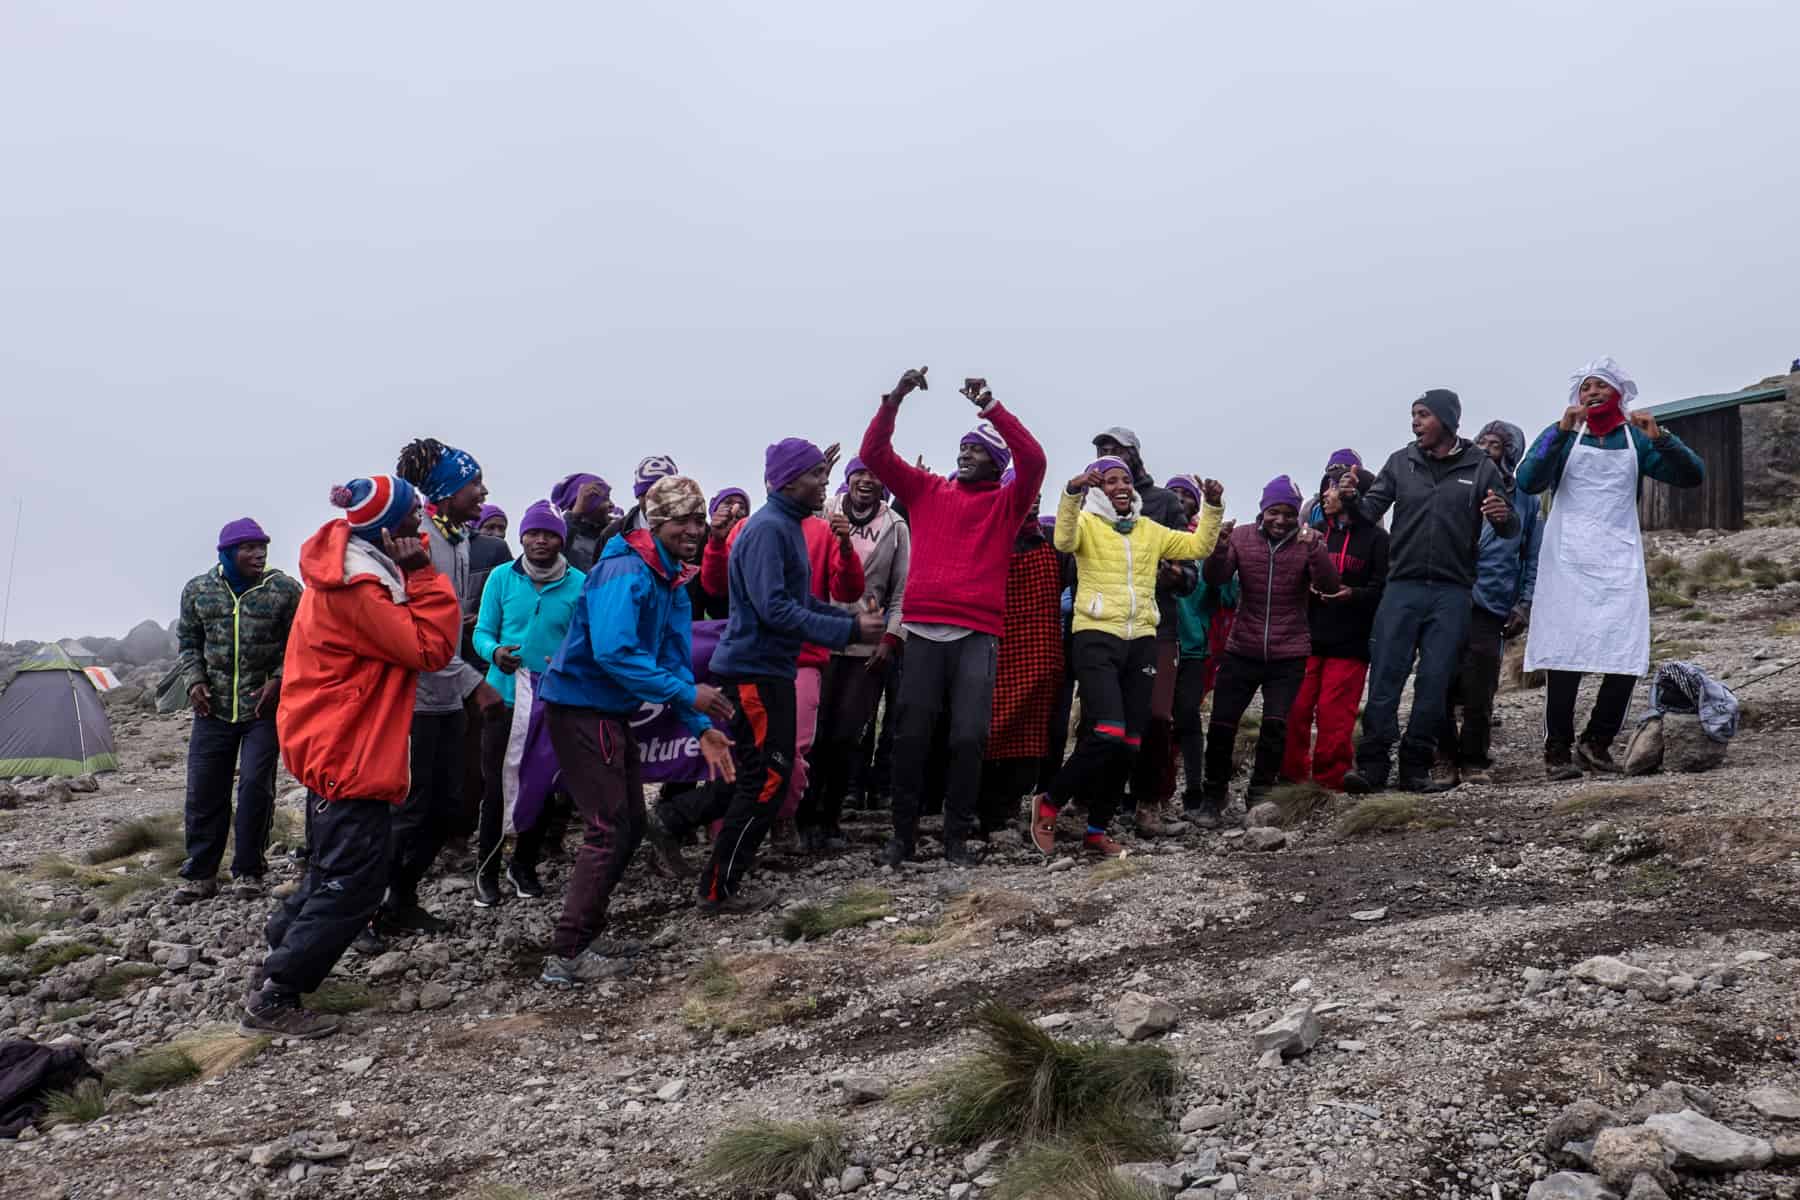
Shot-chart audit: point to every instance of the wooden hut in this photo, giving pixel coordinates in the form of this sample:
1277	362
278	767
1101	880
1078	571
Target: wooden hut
1714	427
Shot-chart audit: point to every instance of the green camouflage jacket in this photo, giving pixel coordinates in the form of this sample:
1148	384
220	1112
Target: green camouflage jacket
235	644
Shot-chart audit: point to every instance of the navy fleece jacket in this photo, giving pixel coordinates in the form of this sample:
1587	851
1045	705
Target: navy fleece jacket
773	612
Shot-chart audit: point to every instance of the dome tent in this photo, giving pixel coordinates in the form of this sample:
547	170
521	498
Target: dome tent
52	721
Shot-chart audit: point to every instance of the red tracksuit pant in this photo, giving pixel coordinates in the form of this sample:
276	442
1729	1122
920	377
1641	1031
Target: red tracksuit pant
1328	698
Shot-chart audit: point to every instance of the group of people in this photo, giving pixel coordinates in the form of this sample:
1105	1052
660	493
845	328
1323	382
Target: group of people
914	642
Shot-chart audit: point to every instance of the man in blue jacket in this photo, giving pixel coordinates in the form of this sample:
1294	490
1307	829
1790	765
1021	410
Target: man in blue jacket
1499	608
773	613
629	644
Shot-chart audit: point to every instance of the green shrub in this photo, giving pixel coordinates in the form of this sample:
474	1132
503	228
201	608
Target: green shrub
84	1102
153	1070
858	906
773	1156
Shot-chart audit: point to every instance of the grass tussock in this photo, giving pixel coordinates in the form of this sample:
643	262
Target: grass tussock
84	1102
1601	797
118	980
160	835
341	996
1717	566
858	906
970	917
773	1156
1065	1171
1298	801
16	908
216	1049
1653	879
44	961
1113	870
1024	1083
69	1012
58	869
17	941
743	996
154	1070
1375	814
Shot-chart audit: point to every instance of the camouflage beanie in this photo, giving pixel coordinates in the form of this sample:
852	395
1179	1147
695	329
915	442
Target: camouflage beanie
671	498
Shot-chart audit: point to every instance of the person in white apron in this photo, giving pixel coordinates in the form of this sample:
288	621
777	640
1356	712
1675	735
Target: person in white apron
1592	610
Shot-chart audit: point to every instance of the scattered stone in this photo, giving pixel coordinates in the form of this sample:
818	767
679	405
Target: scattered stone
982	1157
1369	914
1599	835
1576	1124
1154	1178
1138	1016
1264	837
1672	1098
1746	958
84	784
1702	1144
1271	1060
960	1191
1622	1154
1787	1148
853	1179
1621	976
273	1154
357	1066
672	1091
1061	864
1264	815
9	797
434	995
1296	1032
862	1089
1207	1116
1570	1185
1775	1102
391	965
1350	1046
1061	1020
59	792
1646	1188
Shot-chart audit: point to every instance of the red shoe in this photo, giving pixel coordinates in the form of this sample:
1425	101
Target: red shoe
1043	825
1099	843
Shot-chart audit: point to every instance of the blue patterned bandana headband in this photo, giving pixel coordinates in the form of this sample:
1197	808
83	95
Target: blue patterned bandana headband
453	472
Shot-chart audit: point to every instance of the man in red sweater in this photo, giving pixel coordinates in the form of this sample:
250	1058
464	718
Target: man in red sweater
962	537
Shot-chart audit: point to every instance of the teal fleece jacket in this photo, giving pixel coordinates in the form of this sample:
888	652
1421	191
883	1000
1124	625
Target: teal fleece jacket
517	612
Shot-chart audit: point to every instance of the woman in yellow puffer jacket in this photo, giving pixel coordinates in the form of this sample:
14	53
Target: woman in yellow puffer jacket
1113	652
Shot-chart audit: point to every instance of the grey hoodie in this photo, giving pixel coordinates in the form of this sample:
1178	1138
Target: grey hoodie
885	547
444	691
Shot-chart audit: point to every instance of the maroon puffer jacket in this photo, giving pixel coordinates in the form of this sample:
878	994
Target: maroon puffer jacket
1271	618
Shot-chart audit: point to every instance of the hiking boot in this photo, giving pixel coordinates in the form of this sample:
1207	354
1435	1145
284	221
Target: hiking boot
195	890
895	853
1558	764
1153	821
616	947
524	882
1421	785
667	859
1480	777
1205	816
1596	757
1043	825
369	942
832	841
586	967
1099	843
487	891
248	887
1356	783
740	903
784	836
411	918
284	1018
961	854
1446	774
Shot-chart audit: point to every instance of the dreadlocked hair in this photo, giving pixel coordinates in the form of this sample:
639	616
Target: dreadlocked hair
417	460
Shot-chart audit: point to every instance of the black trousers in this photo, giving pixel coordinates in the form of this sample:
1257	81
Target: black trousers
848	695
1239	679
1004	782
1472	690
496	728
215	750
1190	736
955	679
1061	711
1116	677
345	877
1610	707
422	825
762	747
1431	619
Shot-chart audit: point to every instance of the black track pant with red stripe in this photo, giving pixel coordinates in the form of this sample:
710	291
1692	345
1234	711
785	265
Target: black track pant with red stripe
762	746
1116	678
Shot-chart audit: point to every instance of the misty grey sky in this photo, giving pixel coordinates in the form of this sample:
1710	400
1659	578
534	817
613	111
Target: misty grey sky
246	251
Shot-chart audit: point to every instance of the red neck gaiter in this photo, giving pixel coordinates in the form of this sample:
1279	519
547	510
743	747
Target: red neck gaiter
1602	419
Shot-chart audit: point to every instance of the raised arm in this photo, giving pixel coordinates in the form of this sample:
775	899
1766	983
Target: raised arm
1374	506
877	451
1029	463
1198	544
1067	536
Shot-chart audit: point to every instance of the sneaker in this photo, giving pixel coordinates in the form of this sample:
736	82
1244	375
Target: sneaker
1596	757
895	853
961	854
487	891
369	942
1043	825
284	1018
740	903
586	967
524	882
1099	843
248	887
1422	785
1358	784
616	947
195	890
667	858
413	919
1558	764
1204	816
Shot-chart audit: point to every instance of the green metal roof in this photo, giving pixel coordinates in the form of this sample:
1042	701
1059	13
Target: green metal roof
1693	406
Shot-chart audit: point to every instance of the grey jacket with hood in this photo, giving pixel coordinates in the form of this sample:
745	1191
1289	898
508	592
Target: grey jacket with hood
885	546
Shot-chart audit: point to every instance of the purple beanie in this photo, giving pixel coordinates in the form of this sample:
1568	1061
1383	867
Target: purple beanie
649	471
542	517
787	460
989	439
488	511
1008	476
1280	490
1188	484
1344	458
244	529
565	494
1109	463
725	495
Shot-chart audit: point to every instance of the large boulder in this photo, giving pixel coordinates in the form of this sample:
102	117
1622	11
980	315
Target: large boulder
1701	1144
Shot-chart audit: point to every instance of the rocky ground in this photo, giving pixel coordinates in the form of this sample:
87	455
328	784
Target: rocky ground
1508	952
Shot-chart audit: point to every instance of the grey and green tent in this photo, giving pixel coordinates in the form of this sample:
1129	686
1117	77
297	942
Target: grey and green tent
52	721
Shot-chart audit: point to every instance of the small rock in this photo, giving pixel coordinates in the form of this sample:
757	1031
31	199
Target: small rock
84	783
1702	1144
391	965
434	995
1138	1016
960	1191
1207	1116
1579	1122
1621	976
273	1154
672	1091
1775	1102
1672	1098
978	1160
853	1178
1060	865
1570	1185
1350	1046
1369	914
1061	1020
1265	815
1646	1188
1786	1147
1271	1060
357	1066
1622	1154
1296	1032
1745	958
1599	835
1153	1178
1265	837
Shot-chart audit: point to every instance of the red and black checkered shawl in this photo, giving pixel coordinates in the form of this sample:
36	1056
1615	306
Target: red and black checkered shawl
1031	653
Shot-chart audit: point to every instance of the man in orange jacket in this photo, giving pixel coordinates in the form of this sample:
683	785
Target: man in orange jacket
374	615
